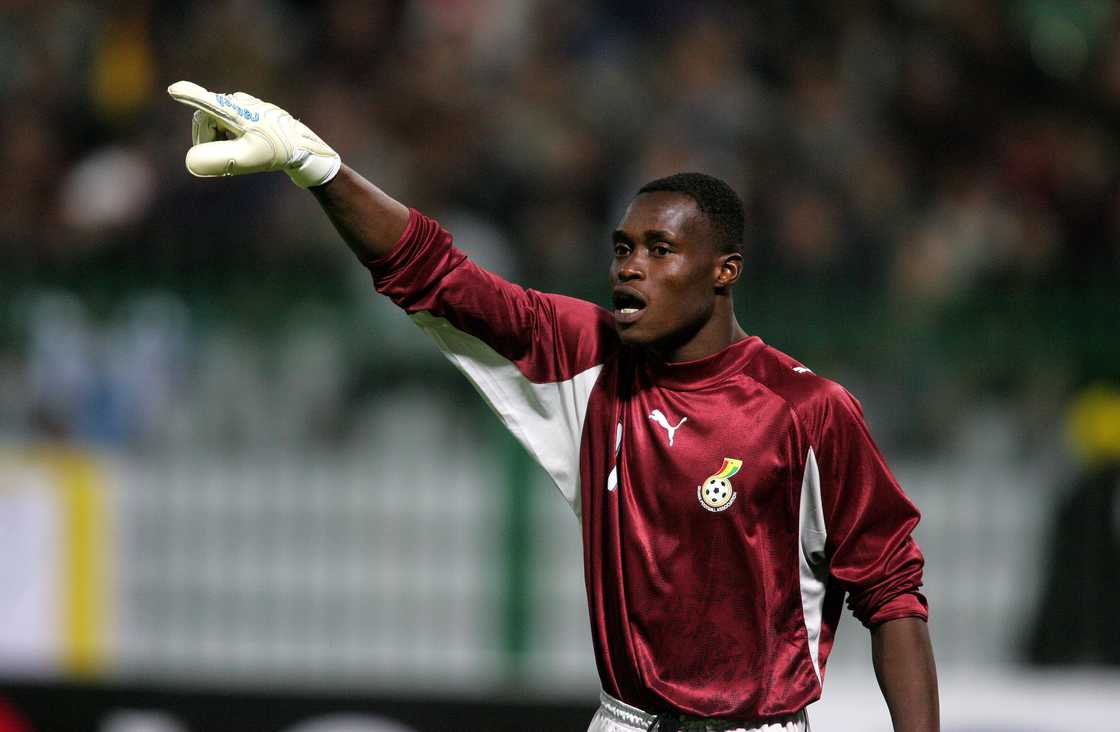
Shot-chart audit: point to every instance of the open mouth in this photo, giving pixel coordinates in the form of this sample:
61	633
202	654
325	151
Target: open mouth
628	304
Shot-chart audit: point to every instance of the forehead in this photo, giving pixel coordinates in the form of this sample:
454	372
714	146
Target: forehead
667	211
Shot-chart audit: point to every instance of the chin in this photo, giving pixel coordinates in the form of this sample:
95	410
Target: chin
637	338
660	340
633	336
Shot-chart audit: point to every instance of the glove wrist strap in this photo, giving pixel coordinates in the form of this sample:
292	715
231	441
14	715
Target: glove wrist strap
316	170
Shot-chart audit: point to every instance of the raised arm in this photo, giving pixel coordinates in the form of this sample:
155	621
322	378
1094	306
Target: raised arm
235	134
368	219
903	658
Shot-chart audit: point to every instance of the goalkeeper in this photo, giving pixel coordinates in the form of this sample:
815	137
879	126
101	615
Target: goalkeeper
729	498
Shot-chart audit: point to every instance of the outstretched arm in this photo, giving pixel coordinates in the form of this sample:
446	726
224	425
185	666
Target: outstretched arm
903	658
235	134
369	220
535	356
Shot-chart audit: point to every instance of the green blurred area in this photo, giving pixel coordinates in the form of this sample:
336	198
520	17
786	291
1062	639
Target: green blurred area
1030	346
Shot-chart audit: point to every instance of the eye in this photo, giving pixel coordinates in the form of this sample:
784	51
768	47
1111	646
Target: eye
660	249
621	249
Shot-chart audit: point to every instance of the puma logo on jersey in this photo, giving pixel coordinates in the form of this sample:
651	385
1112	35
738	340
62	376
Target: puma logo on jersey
660	419
802	370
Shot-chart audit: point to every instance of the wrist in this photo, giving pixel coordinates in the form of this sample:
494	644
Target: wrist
315	170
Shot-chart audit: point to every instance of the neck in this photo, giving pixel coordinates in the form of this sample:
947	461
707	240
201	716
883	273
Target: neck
715	334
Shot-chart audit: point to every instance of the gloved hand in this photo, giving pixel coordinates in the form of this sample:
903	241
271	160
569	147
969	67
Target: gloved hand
265	137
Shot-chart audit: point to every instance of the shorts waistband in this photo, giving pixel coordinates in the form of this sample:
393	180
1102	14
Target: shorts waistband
621	712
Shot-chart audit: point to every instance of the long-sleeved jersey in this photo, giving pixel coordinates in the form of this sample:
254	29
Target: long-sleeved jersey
727	504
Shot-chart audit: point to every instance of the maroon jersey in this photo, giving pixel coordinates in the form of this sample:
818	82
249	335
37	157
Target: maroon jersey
728	504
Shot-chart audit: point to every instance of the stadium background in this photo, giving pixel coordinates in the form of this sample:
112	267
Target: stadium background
234	482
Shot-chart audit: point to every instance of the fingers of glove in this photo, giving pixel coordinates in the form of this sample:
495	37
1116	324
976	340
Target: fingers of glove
190	93
193	95
204	127
245	100
248	154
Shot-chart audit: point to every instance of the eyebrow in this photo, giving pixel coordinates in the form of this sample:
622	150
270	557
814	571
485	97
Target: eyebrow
655	234
659	234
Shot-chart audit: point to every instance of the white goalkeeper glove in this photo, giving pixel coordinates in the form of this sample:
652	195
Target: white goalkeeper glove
265	137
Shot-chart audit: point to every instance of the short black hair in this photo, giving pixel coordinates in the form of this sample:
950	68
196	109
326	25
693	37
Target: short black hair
715	199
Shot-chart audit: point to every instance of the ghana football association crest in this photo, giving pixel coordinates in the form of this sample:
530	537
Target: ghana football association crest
716	492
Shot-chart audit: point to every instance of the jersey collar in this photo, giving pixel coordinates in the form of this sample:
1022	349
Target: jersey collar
702	372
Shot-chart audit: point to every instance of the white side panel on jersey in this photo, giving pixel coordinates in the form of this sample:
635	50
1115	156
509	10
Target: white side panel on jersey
546	418
811	536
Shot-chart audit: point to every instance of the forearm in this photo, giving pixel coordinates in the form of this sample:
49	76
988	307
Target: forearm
368	219
904	666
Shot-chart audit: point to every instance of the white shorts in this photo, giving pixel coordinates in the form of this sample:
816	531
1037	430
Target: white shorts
617	716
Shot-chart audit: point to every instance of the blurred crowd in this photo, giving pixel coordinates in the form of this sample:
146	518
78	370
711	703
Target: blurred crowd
932	187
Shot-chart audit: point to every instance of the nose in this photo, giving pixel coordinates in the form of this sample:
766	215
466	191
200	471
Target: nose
629	269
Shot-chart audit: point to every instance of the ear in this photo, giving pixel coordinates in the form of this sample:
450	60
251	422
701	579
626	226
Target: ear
730	267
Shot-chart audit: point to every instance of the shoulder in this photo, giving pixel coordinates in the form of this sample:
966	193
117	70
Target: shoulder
815	400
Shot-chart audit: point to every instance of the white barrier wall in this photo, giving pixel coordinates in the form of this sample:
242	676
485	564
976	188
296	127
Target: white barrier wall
55	549
32	571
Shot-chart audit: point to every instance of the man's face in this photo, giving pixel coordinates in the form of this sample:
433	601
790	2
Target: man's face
663	272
